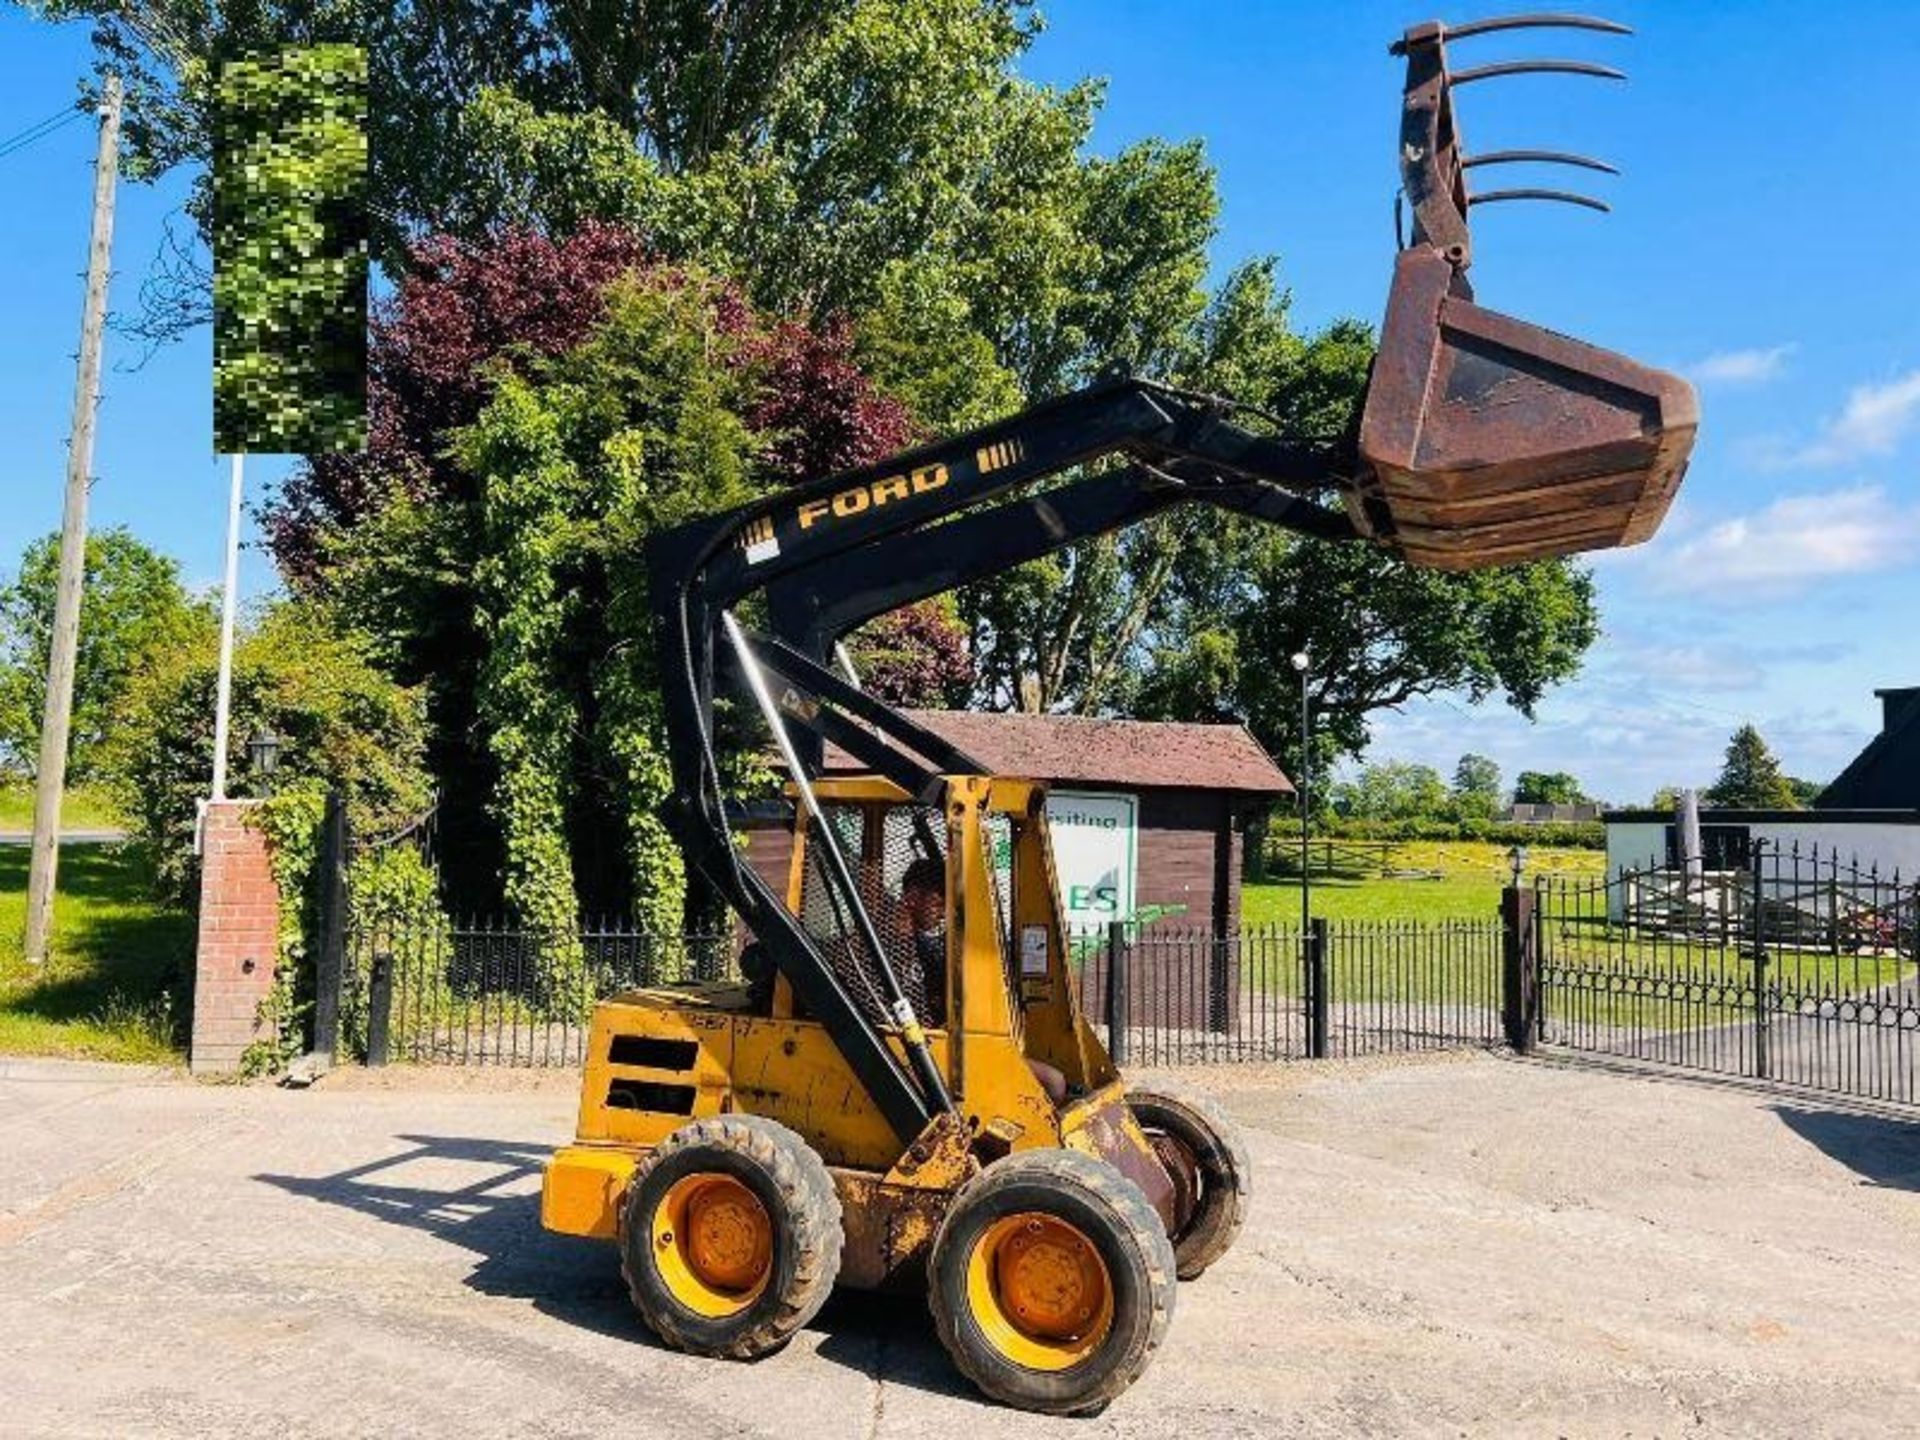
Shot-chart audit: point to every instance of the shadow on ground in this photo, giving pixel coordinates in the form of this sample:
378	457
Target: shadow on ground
1882	1149
496	1215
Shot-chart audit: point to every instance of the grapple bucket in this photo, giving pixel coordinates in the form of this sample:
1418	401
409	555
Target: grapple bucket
1490	441
1486	440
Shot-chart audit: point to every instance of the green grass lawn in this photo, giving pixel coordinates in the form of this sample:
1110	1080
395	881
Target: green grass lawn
114	987
83	808
1456	880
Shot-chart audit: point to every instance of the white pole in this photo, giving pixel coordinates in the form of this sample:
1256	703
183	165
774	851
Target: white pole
229	602
1693	858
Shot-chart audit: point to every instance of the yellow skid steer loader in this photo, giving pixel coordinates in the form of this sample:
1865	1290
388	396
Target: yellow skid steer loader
903	1090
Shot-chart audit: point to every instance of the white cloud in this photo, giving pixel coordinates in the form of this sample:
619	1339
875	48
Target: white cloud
1742	367
1875	419
1694	667
1790	543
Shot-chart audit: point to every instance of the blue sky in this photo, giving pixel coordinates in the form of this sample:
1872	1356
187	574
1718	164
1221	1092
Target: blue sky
1761	243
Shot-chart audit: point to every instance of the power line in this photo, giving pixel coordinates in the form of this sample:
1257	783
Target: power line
62	113
55	122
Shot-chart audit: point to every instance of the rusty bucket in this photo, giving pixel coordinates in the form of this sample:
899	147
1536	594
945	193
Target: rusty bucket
1490	441
1486	440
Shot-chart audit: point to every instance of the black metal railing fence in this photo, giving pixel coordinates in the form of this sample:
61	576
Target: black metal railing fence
485	991
479	991
1795	966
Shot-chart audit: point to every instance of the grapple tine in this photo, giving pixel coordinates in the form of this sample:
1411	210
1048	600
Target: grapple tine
1536	67
1543	157
1529	192
1436	30
1551	21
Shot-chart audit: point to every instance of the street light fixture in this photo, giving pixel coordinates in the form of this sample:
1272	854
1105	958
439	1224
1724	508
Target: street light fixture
1302	665
263	754
1517	858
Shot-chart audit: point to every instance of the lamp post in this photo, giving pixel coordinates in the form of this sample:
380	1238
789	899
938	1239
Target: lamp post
263	755
1302	788
229	608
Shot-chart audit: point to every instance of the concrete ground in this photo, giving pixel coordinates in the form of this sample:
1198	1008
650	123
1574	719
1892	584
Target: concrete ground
1469	1245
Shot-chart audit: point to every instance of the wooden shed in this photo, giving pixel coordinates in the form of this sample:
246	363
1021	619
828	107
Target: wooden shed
1148	817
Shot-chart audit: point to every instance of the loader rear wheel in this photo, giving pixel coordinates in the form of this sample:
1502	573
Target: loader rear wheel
730	1236
1052	1281
1207	1162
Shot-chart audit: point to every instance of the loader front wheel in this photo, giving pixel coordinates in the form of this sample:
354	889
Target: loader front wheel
730	1236
1206	1159
1052	1281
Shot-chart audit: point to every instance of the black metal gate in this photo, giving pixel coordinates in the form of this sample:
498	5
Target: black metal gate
1796	967
1167	995
403	976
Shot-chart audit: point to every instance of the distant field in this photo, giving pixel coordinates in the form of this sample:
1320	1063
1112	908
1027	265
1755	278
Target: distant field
85	808
1431	880
114	988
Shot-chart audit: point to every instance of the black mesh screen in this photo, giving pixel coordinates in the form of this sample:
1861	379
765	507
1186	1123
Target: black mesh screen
885	846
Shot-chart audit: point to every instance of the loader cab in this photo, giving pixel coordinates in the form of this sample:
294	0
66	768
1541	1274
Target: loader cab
986	958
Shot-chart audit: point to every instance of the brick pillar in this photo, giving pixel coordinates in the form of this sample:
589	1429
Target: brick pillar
239	937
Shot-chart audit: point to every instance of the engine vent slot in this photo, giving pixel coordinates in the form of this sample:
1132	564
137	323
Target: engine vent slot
651	1096
653	1052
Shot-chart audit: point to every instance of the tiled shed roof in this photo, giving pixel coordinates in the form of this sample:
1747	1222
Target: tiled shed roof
1074	749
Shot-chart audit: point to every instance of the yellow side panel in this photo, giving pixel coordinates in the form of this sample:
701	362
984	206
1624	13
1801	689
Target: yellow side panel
653	1016
1001	1087
791	1071
582	1190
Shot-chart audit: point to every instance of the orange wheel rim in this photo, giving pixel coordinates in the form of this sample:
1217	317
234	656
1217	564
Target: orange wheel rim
1040	1291
713	1243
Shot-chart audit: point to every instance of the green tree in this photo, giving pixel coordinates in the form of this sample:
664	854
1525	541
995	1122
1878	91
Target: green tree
1751	777
169	55
898	136
577	461
1237	599
1392	790
1476	787
295	671
133	608
1547	787
1476	775
1805	792
798	145
1382	633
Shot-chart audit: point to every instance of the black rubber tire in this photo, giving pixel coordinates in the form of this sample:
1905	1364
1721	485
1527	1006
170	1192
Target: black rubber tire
1197	1126
1114	1215
790	1180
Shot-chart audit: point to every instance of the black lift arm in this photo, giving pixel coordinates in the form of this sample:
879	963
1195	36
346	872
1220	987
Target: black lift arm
832	553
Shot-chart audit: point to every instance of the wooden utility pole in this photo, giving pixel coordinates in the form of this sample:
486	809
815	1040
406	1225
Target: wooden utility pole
50	782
